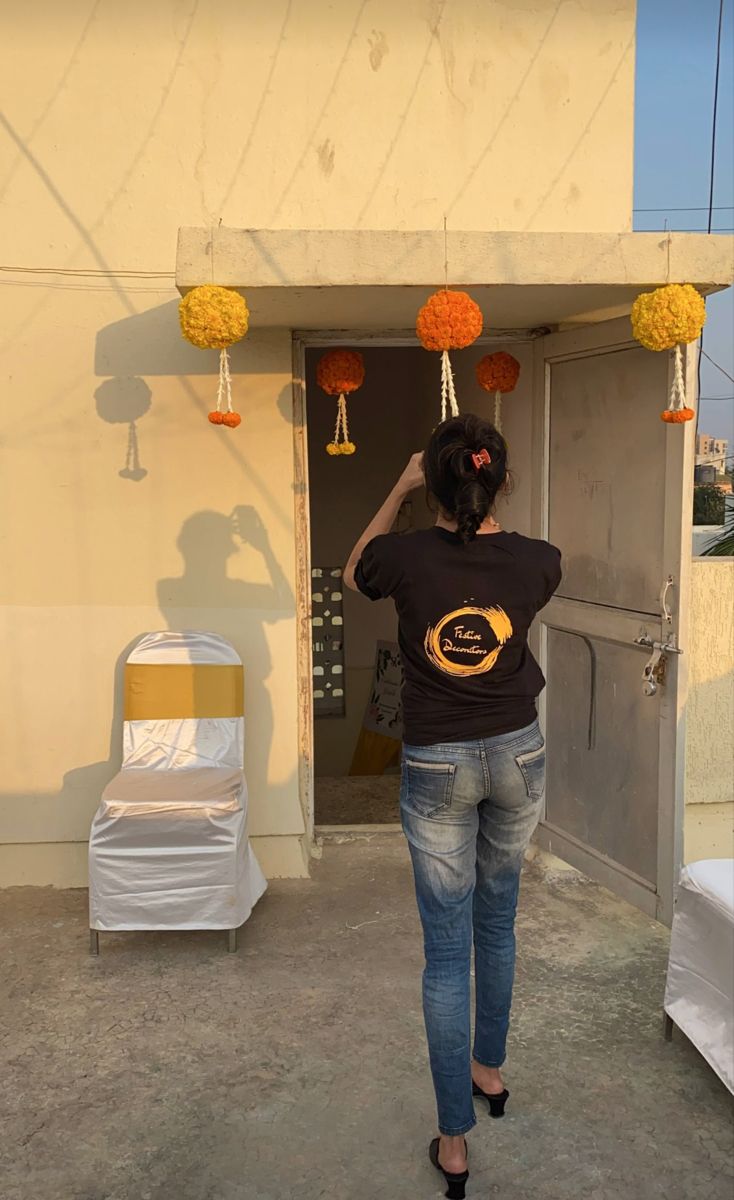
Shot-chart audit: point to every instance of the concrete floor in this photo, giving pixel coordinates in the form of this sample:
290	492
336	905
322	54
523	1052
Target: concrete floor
357	800
170	1070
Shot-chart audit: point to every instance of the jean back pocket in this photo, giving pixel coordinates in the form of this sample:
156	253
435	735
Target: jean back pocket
427	787
532	766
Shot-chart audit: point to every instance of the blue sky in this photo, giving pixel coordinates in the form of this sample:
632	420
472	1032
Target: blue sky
676	55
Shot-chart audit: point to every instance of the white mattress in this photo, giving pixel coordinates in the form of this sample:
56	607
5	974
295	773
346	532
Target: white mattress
699	994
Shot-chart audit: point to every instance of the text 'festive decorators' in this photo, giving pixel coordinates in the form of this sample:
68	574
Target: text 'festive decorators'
448	321
214	318
670	316
498	373
339	372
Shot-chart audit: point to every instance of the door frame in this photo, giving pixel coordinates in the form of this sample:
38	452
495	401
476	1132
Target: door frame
301	341
586	342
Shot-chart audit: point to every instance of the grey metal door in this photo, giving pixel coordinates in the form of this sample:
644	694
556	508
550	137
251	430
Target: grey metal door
616	500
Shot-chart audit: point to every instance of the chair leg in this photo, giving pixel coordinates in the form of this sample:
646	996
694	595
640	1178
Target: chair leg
94	941
232	941
667	1027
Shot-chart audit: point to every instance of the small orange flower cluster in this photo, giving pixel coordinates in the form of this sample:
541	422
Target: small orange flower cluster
498	372
339	372
334	448
677	416
449	321
231	419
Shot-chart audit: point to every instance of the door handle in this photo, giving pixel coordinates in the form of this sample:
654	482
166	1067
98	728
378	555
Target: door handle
666	613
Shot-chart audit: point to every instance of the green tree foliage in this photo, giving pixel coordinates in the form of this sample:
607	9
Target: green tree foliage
708	504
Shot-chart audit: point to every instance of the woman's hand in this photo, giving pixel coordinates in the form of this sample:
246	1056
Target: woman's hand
413	476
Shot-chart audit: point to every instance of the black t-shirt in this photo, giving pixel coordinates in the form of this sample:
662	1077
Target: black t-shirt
464	613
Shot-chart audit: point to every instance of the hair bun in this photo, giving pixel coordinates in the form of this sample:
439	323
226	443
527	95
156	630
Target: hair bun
466	492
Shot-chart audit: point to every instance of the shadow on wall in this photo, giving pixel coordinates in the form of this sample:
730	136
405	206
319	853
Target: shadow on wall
207	542
150	343
124	402
135	350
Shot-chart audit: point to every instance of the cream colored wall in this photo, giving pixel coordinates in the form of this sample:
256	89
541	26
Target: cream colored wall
124	122
709	818
94	559
508	114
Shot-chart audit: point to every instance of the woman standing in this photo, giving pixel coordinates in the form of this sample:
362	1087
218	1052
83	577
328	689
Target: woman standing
473	773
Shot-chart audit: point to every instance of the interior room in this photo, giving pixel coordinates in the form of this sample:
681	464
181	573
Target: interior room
391	416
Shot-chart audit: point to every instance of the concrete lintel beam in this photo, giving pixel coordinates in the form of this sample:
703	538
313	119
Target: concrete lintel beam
304	258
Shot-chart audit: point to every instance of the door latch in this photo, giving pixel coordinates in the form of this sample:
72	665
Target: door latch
653	673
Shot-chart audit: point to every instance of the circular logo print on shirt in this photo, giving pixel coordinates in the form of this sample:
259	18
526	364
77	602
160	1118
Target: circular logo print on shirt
468	641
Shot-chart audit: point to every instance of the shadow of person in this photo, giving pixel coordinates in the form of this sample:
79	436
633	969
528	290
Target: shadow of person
207	596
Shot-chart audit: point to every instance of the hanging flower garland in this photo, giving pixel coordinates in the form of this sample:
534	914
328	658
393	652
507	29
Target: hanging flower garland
338	373
448	320
214	318
498	373
666	318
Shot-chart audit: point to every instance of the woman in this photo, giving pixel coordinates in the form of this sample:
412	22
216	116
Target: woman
473	776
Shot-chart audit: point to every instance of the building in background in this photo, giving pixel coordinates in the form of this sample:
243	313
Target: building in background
712	452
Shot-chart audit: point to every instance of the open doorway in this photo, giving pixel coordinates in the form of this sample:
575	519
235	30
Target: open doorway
584	435
356	671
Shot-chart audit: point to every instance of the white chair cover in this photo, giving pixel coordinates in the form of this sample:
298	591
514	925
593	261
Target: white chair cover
699	995
168	847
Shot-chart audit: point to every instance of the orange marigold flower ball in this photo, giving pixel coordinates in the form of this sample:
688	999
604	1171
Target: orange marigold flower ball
677	416
498	372
232	419
449	321
216	418
340	371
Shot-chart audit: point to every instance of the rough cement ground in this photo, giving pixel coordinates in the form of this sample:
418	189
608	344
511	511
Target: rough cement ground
357	800
170	1070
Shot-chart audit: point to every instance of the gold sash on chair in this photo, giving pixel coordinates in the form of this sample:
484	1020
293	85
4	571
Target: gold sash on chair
183	691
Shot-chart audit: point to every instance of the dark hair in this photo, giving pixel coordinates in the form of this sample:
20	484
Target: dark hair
465	493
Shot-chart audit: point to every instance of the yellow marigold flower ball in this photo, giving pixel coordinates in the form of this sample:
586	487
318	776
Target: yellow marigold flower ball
333	448
449	321
348	448
213	317
669	315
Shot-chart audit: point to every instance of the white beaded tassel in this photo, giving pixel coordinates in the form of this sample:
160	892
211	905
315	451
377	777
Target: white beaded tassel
678	386
498	411
448	391
341	432
343	412
225	381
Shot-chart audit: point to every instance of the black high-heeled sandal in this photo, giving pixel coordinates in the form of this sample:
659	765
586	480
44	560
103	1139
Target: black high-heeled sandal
496	1101
456	1183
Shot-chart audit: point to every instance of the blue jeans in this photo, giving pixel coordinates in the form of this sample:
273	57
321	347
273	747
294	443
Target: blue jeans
468	811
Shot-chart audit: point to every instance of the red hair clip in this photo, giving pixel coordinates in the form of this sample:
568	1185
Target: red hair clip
482	459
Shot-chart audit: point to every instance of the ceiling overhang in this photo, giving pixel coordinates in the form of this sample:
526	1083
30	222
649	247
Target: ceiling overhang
377	279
